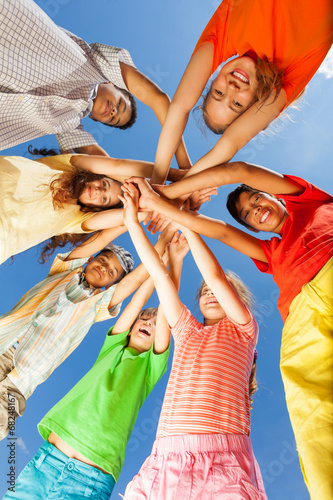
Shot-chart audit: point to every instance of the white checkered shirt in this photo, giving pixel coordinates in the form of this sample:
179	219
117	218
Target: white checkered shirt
48	77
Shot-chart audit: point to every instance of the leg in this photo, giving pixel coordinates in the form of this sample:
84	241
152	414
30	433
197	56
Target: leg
12	404
307	372
52	475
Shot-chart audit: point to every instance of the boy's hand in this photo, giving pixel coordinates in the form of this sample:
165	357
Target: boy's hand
197	198
148	197
178	247
130	200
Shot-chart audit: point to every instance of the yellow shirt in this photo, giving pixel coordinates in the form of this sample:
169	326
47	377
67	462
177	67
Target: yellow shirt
27	215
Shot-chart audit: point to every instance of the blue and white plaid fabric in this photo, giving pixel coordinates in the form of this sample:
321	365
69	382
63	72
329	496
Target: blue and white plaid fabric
48	77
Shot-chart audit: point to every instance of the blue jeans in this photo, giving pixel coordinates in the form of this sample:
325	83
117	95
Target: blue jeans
53	475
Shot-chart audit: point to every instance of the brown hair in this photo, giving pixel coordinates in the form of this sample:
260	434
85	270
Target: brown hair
149	312
246	297
66	188
269	78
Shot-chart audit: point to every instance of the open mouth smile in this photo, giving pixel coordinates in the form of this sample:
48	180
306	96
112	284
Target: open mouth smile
107	108
265	215
145	332
240	76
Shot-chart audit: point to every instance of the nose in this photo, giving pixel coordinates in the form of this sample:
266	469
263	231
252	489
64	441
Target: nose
210	293
256	210
114	111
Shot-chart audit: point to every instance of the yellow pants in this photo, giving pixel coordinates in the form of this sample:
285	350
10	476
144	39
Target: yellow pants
307	373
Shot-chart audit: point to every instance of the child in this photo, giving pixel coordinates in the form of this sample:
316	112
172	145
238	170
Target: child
302	266
88	430
203	447
54	316
61	195
277	60
50	79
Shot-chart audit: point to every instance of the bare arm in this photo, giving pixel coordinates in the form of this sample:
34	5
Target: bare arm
258	177
213	228
166	290
120	169
96	243
150	94
134	279
187	94
239	133
94	149
215	278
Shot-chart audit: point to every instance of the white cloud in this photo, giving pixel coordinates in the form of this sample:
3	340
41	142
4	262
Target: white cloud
22	445
326	67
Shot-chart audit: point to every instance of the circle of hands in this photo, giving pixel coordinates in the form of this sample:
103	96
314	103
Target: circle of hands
144	197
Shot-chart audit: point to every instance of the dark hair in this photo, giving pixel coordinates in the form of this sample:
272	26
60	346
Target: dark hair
269	78
65	188
134	112
233	199
253	386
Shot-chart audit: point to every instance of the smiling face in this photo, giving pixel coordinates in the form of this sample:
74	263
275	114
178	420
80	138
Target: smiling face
142	334
101	193
210	308
232	92
103	270
261	211
111	106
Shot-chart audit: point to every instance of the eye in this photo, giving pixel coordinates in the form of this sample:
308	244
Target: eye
257	198
219	93
111	272
104	199
238	104
104	185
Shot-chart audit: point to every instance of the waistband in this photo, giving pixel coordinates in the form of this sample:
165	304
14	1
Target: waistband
202	443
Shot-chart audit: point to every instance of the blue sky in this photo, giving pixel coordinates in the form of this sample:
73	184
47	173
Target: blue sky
160	37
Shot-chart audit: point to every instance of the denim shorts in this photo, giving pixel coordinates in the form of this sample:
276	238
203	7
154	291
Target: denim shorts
53	475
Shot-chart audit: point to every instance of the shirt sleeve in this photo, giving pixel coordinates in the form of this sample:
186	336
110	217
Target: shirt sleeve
103	311
311	193
184	325
77	138
60	265
250	330
157	365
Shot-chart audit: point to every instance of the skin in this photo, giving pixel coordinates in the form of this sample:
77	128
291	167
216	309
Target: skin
262	212
101	193
103	270
232	92
111	106
142	334
210	308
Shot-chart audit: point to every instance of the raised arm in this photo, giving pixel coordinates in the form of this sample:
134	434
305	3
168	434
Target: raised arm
258	177
213	228
187	94
96	242
215	278
150	94
240	132
165	288
134	279
120	169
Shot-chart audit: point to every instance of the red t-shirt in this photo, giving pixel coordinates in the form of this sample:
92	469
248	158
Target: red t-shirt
208	388
306	242
293	34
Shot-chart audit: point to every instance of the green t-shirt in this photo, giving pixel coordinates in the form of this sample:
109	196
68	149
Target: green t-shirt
97	416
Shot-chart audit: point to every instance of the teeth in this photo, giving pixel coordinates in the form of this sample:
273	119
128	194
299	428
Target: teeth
264	216
240	76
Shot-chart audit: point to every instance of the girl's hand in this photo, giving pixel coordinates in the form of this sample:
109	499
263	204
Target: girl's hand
130	201
148	197
197	198
178	247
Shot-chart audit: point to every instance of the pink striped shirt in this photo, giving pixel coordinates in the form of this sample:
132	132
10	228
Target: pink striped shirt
208	388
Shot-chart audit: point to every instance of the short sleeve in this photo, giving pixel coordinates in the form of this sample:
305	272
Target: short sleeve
61	265
250	330
311	192
185	324
111	341
76	138
157	365
102	307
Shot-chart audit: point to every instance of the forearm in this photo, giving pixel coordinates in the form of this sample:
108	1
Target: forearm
169	140
94	149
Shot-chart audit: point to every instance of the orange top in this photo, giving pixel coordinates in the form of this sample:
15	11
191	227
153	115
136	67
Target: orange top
293	34
208	388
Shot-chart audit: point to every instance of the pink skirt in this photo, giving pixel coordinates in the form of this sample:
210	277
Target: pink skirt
199	467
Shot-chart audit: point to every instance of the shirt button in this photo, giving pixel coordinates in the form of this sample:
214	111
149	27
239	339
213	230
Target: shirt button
34	323
20	97
70	466
51	311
